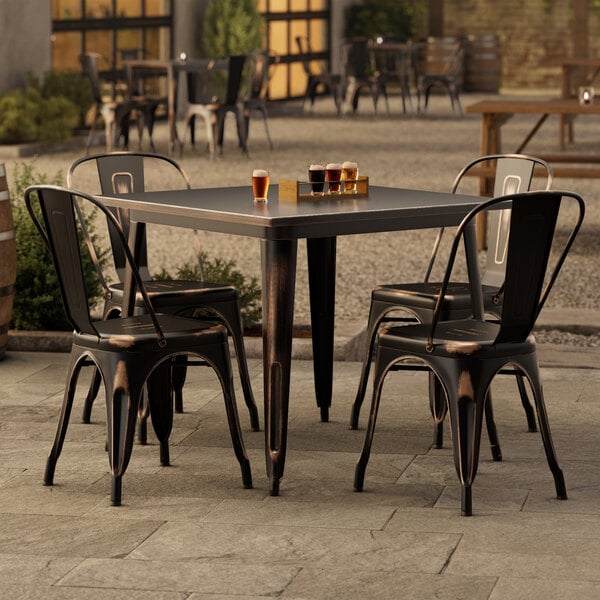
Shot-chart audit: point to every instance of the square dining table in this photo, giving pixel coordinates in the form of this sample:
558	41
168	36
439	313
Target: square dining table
279	224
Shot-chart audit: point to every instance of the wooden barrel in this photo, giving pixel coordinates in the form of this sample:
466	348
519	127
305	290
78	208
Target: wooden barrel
8	261
442	56
483	68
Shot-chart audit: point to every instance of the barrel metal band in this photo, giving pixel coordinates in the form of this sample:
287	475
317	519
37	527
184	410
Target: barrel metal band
7	235
4	195
7	290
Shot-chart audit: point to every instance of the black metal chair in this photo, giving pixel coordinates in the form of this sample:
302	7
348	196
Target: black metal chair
360	71
121	172
115	113
256	100
132	354
512	173
442	65
466	354
210	100
318	80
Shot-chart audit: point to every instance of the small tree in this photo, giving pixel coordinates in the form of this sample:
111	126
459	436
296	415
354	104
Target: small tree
396	18
231	27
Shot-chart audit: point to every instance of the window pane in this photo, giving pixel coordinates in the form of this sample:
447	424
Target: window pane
98	9
66	48
129	8
157	8
318	4
262	6
66	9
298	5
101	42
129	44
318	35
278	5
278	37
297	79
278	83
297	28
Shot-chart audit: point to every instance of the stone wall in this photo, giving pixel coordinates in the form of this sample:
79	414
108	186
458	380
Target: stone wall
529	36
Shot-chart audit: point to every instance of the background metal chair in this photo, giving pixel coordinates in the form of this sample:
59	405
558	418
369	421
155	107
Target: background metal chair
513	173
116	113
442	65
466	354
209	99
256	99
360	71
123	172
131	353
318	79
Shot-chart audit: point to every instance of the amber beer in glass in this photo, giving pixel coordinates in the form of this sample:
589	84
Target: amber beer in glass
316	176
333	176
260	184
350	173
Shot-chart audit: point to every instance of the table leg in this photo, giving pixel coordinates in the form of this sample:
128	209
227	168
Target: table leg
321	277
278	258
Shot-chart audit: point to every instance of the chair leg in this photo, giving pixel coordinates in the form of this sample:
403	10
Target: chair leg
491	429
160	400
63	421
91	396
538	396
376	313
264	114
529	411
439	408
178	374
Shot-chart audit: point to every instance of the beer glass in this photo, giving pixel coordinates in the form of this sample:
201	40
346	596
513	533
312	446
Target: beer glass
333	176
316	176
350	173
260	184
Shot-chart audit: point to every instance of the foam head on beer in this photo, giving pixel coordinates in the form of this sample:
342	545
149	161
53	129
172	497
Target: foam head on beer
349	165
260	173
316	168
334	167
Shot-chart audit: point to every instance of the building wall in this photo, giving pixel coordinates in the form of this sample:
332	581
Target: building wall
25	29
529	36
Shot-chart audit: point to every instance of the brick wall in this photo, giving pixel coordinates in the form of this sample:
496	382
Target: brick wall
528	36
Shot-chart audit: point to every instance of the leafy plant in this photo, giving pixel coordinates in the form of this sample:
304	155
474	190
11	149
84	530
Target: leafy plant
225	272
395	18
231	27
26	115
38	304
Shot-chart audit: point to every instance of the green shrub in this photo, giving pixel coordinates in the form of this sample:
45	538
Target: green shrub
27	115
225	272
38	304
231	27
396	18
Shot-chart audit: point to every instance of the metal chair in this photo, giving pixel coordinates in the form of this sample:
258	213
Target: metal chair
132	354
513	173
318	80
208	100
116	114
122	172
259	81
466	354
361	72
442	66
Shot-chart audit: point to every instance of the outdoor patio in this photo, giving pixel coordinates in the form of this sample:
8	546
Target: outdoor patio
190	531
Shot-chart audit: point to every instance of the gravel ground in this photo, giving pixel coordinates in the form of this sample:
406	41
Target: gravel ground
400	150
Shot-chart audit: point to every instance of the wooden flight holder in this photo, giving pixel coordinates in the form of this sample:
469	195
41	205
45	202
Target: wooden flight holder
292	190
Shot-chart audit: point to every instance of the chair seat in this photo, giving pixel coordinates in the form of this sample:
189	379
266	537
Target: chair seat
424	295
136	333
473	339
165	293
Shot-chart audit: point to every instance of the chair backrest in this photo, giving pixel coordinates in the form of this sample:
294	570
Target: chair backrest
358	58
304	50
259	74
59	228
89	67
442	57
528	279
235	74
123	173
514	173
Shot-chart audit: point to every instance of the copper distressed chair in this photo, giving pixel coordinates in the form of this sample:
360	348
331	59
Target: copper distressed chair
361	72
211	101
115	113
466	353
121	172
512	173
256	99
318	79
131	353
